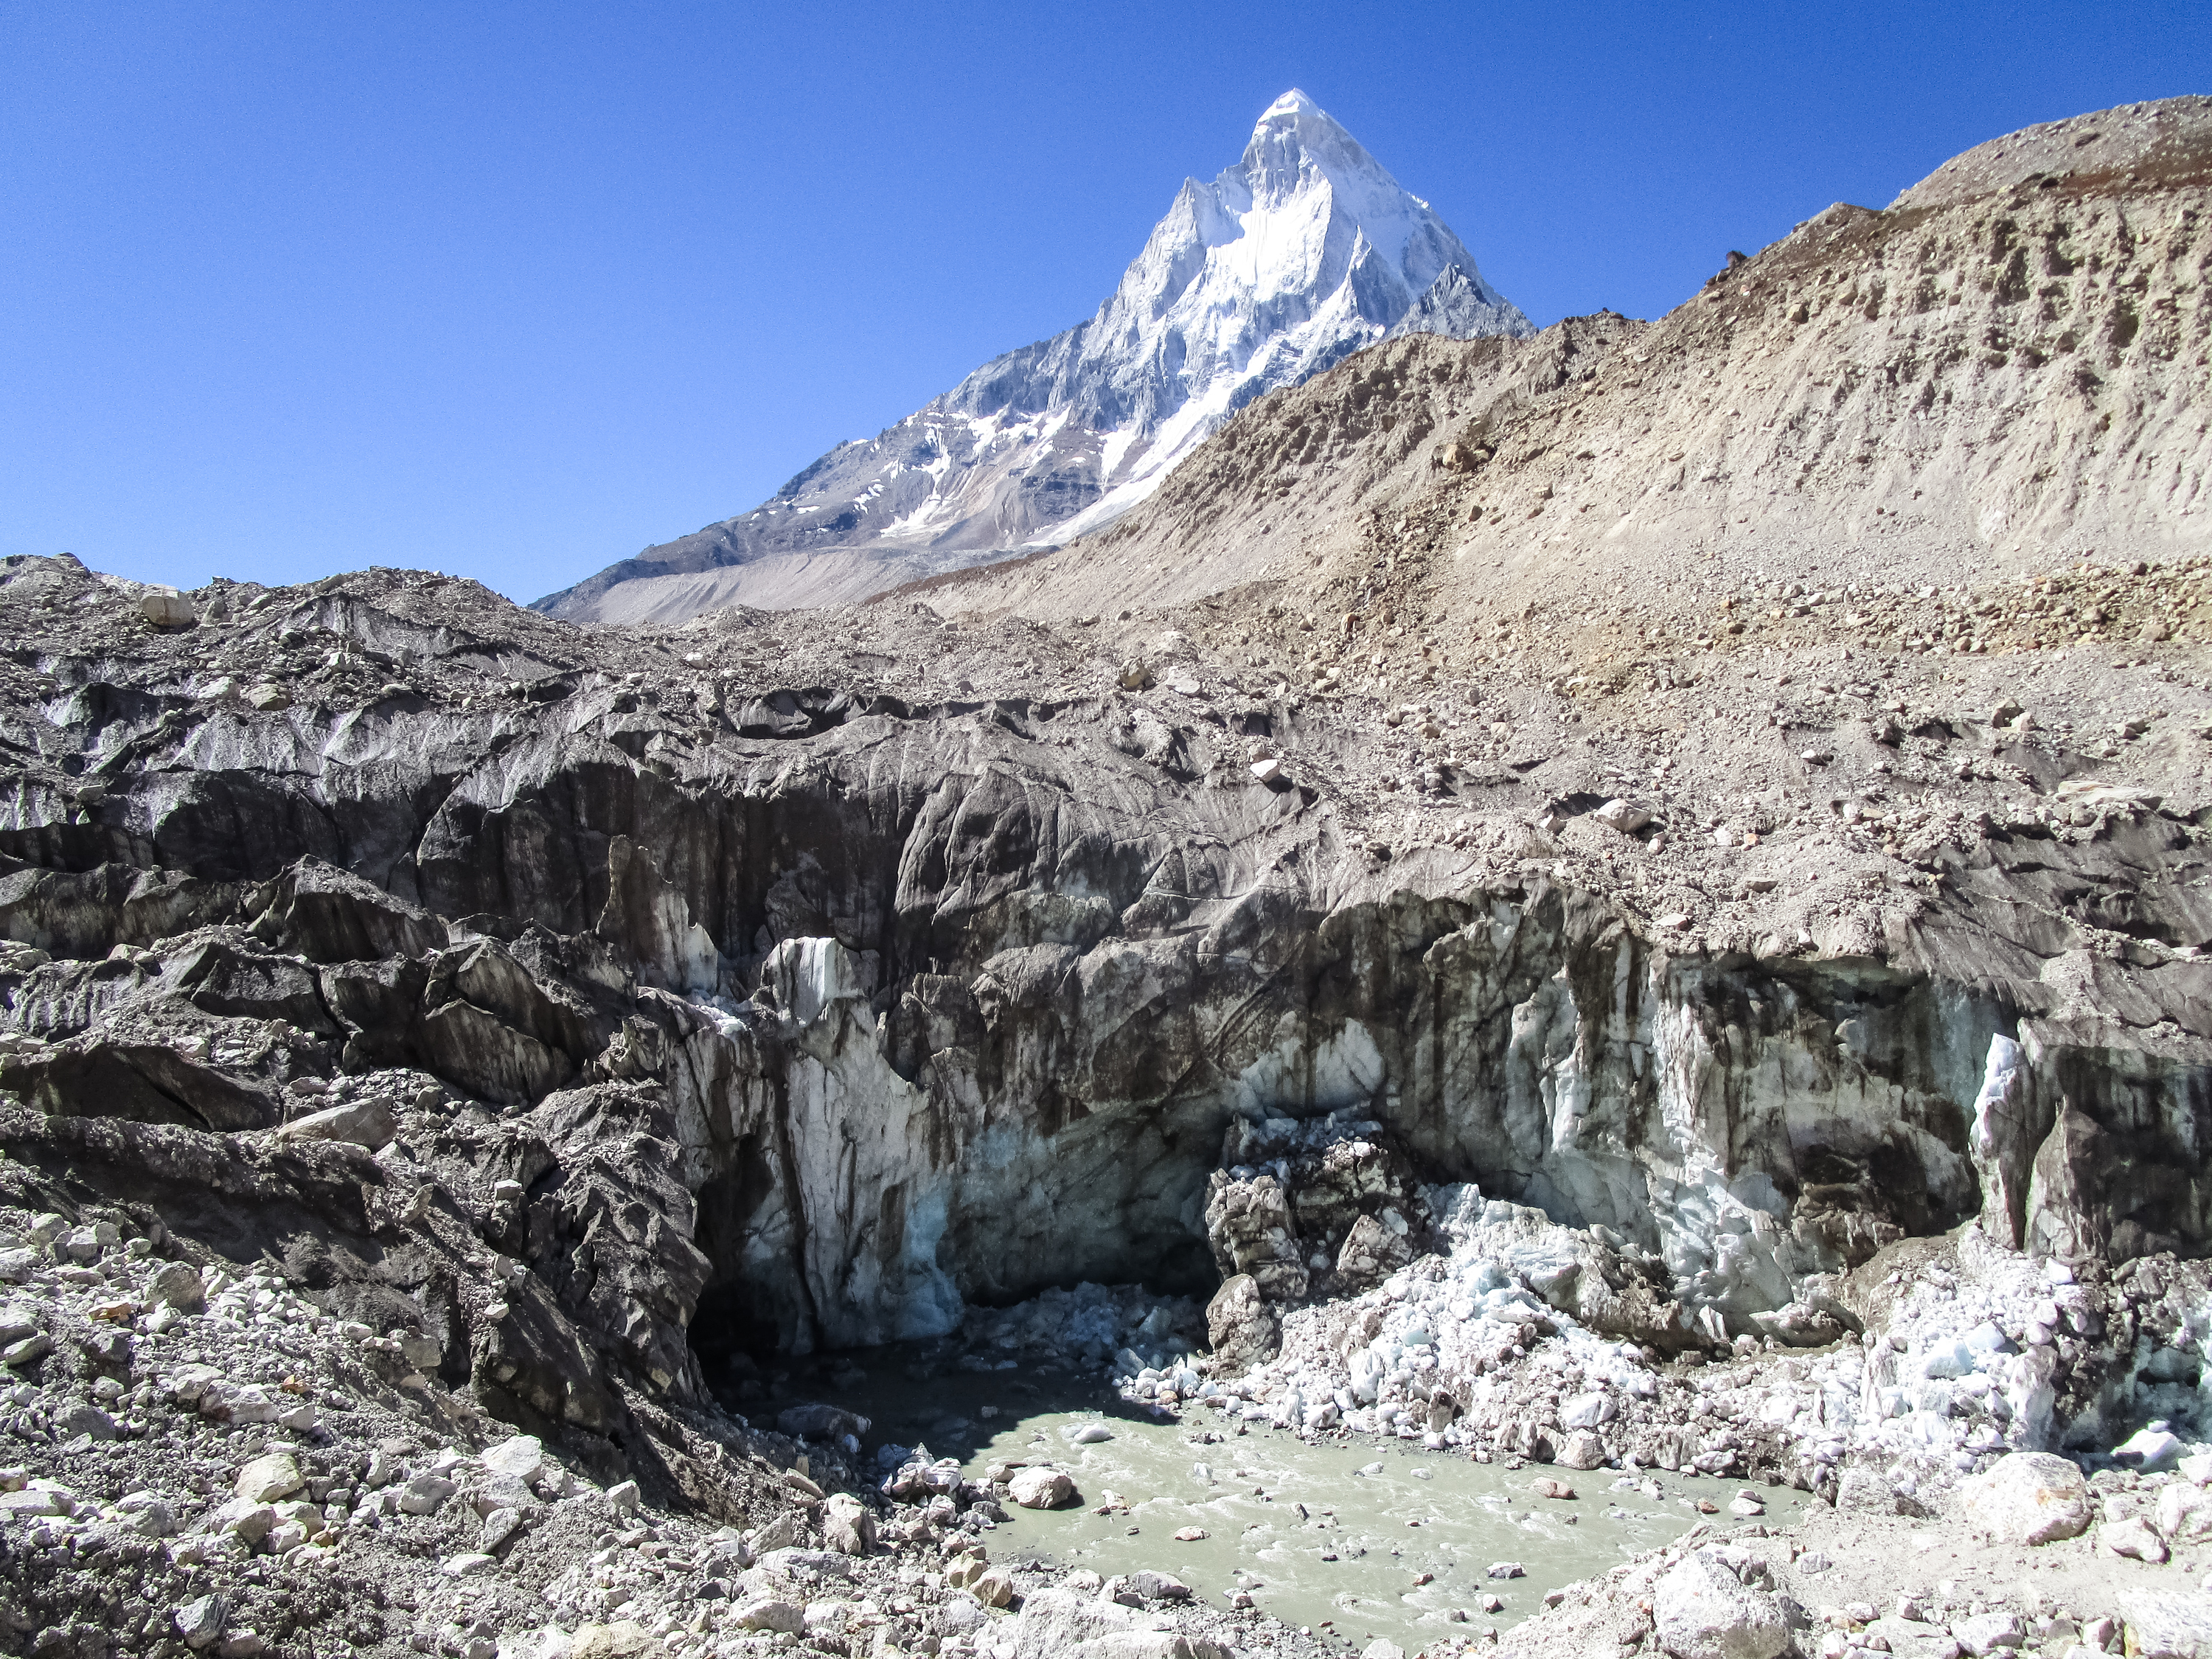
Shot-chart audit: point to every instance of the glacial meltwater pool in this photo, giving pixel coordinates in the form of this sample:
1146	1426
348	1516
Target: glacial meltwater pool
1339	1534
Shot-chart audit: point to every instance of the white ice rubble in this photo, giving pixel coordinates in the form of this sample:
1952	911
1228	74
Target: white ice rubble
1963	1371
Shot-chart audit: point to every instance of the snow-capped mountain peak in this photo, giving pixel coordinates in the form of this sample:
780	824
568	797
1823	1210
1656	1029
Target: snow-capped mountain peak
1296	138
1302	252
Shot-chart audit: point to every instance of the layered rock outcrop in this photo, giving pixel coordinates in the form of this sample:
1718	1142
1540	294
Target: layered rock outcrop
799	1037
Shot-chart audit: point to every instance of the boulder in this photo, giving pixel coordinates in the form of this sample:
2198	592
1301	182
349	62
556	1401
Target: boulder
1702	1610
1986	1633
2132	1539
1909	1638
1582	1450
1622	815
772	1615
1372	1251
200	1621
426	1494
820	1422
176	1285
2184	1513
1241	1326
165	607
2027	1498
270	1478
2150	1450
1588	1411
849	1526
623	1639
32	1503
1053	1623
252	1521
86	1419
1525	1437
1252	1230
367	1122
1041	1488
993	1587
2166	1624
501	1492
1061	1623
521	1456
965	1571
781	1533
1158	1586
960	1615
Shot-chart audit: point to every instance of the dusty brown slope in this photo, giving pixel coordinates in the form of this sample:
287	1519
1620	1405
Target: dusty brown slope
2005	371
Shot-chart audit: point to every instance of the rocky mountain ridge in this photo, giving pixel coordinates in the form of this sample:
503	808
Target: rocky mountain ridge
2000	375
1282	265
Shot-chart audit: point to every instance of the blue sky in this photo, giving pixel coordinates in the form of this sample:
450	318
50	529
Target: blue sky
513	291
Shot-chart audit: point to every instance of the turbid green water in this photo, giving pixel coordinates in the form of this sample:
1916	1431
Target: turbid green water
1337	1535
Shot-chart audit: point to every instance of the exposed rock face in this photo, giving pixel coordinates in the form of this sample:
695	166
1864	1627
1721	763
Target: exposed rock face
1308	1208
808	1038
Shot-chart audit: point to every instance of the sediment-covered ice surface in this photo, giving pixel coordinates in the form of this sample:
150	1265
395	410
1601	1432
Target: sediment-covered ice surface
583	1047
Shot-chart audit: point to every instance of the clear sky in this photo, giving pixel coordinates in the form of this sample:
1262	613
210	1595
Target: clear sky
515	290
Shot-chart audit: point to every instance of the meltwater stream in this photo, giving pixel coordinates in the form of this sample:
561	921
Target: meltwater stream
1365	1536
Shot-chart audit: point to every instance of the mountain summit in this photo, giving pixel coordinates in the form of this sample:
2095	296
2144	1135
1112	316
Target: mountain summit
1280	267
